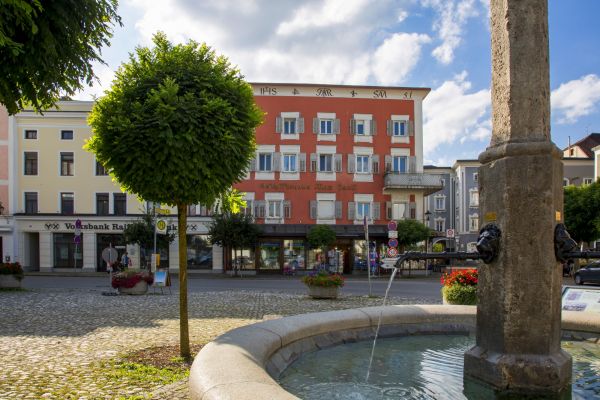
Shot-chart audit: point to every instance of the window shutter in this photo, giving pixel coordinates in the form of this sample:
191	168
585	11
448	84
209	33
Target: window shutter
388	209
302	162
315	125
373	127
338	163
388	163
338	210
375	164
352	126
287	209
259	209
351	163
276	162
351	210
413	210
313	209
313	162
252	165
411	128
406	211
300	125
376	211
412	164
278	125
336	126
390	128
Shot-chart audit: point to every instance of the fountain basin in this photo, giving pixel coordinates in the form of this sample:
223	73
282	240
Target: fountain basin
241	363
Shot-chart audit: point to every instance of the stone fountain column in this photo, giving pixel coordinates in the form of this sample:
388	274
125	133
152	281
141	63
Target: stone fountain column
519	311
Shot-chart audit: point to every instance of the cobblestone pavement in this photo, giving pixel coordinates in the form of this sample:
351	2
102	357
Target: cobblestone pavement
50	340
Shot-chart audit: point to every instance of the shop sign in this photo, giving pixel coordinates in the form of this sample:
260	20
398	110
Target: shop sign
55	226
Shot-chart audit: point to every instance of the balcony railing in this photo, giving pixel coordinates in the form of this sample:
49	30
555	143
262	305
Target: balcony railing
428	183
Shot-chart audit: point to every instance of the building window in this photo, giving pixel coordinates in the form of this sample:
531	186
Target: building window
363	210
289	126
102	203
399	128
474	198
120	203
326	126
100	170
67	203
199	252
66	135
440	203
31	202
289	163
66	164
326	209
474	223
249	209
362	164
400	164
359	127
274	209
587	181
64	251
31	163
566	182
440	225
264	162
325	162
30	134
475	177
399	211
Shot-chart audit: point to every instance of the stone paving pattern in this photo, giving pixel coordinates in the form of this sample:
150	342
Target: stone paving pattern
51	339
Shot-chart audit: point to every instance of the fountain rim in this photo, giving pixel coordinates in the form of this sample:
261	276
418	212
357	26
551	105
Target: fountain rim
236	365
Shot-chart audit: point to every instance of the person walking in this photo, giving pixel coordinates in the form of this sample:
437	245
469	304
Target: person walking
125	260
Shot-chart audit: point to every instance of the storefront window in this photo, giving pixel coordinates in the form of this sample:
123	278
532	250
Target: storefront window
243	259
315	258
269	255
199	252
64	251
293	255
360	255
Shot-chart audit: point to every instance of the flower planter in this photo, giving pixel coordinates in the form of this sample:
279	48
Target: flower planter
323	292
9	281
139	288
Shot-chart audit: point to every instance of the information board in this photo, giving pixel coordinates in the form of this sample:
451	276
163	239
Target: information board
161	278
581	299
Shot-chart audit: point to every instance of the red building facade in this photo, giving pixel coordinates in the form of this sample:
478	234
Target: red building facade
332	154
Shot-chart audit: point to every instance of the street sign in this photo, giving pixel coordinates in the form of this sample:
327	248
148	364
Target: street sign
110	255
78	224
393	243
392	252
163	211
77	232
393	234
450	233
77	239
161	226
392	226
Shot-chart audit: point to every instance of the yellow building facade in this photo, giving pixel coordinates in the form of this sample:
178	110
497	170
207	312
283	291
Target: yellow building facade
55	183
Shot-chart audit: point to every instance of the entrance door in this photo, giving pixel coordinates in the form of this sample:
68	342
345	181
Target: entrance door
33	251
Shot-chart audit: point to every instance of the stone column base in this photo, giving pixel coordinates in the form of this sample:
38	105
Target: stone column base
520	373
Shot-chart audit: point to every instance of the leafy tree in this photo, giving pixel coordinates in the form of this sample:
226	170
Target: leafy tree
48	47
411	232
234	231
176	128
321	237
141	232
582	212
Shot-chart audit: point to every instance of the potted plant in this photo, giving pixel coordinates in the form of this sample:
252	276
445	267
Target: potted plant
11	275
460	287
132	281
322	285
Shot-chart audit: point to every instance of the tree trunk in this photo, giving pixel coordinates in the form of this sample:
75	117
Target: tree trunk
184	334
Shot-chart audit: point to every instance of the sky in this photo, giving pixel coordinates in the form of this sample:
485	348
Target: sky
439	44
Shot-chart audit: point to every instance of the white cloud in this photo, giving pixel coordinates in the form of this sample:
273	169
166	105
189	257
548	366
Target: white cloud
397	56
105	76
452	113
576	98
449	24
330	12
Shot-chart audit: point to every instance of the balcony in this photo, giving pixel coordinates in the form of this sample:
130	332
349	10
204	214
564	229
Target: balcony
427	183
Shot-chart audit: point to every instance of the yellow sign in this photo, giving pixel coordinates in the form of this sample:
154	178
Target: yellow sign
490	217
163	211
161	226
558	216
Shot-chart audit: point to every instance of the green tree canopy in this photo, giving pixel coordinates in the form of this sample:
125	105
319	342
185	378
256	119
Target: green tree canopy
177	128
48	47
411	232
141	232
234	231
321	237
582	212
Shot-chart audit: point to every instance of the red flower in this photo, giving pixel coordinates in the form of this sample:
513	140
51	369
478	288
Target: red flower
467	277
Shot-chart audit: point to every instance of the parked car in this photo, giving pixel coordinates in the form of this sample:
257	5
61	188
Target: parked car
589	273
